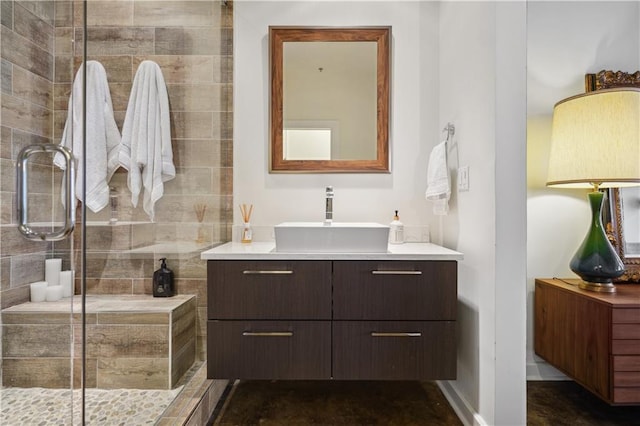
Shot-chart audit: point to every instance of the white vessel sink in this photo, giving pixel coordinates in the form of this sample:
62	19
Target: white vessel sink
337	237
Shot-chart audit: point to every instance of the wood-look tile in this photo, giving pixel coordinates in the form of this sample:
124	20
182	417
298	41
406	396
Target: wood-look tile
6	141
196	152
91	373
201	321
142	286
120	95
64	72
5	274
182	360
193	41
107	285
110	13
14	296
196	285
14	243
130	318
36	340
20	139
6	14
119	341
7	207
176	14
194	125
141	373
118	67
22	52
28	25
39	175
64	13
27	268
196	97
64	41
117	41
44	10
6	70
183	329
24	318
20	114
118	266
182	68
32	88
191	180
36	372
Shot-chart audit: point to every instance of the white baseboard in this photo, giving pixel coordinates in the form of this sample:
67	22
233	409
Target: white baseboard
460	405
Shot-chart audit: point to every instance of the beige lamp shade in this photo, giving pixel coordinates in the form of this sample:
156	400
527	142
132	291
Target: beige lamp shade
595	138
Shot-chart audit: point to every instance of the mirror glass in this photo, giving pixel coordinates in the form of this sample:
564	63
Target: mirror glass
329	95
329	99
630	200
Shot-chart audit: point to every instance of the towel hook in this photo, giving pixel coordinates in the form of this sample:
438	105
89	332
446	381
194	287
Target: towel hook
450	129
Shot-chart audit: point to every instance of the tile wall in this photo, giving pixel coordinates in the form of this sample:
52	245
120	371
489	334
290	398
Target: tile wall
192	43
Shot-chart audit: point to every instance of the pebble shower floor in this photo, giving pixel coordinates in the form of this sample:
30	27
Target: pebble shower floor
40	406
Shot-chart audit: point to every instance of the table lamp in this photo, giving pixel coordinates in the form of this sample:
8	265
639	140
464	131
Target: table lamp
595	143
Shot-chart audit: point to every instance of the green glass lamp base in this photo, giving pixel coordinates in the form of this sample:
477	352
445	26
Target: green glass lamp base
596	261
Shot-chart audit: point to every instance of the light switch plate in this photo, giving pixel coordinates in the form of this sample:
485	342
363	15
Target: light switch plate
463	178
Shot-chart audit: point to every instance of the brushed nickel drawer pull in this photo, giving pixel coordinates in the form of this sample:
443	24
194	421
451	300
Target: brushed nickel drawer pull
250	272
378	334
396	272
268	333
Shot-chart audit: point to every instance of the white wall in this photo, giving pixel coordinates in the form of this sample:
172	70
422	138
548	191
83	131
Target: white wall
452	62
363	197
565	41
482	90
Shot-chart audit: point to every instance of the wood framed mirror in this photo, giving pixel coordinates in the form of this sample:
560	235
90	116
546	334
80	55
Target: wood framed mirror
329	106
622	221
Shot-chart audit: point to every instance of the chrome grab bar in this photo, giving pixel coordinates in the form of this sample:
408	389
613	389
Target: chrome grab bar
378	334
268	333
274	272
396	272
22	205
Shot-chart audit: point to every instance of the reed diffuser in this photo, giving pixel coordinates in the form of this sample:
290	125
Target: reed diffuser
200	210
247	235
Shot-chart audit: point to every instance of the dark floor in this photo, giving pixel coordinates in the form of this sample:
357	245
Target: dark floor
400	403
567	403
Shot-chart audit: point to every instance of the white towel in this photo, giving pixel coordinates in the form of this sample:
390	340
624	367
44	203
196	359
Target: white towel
146	137
438	187
103	137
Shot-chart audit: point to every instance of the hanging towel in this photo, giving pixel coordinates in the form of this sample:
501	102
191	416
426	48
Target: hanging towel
146	138
103	137
438	187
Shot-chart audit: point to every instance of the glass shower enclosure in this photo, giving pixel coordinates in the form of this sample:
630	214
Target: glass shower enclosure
83	341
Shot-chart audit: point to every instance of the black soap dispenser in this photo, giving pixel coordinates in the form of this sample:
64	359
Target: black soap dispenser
163	281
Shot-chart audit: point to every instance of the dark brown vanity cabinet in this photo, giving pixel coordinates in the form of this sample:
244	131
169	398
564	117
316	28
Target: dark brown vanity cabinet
323	319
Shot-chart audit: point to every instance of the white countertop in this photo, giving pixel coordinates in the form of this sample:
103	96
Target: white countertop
266	251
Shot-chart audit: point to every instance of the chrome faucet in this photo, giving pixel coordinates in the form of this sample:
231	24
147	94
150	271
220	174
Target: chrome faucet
328	211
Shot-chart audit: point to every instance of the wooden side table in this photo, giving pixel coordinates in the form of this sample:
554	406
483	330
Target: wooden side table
593	338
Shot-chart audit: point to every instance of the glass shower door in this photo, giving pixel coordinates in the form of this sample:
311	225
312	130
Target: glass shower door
39	365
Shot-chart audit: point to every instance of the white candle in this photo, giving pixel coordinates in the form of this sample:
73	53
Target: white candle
66	282
53	293
52	271
38	291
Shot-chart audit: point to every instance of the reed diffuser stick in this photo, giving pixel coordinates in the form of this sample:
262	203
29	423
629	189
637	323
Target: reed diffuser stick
200	210
246	212
247	234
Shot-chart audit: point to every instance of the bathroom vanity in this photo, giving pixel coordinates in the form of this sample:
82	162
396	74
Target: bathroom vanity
375	316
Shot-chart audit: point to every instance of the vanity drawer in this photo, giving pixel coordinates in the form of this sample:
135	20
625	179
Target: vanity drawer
288	290
395	290
269	349
394	350
626	363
